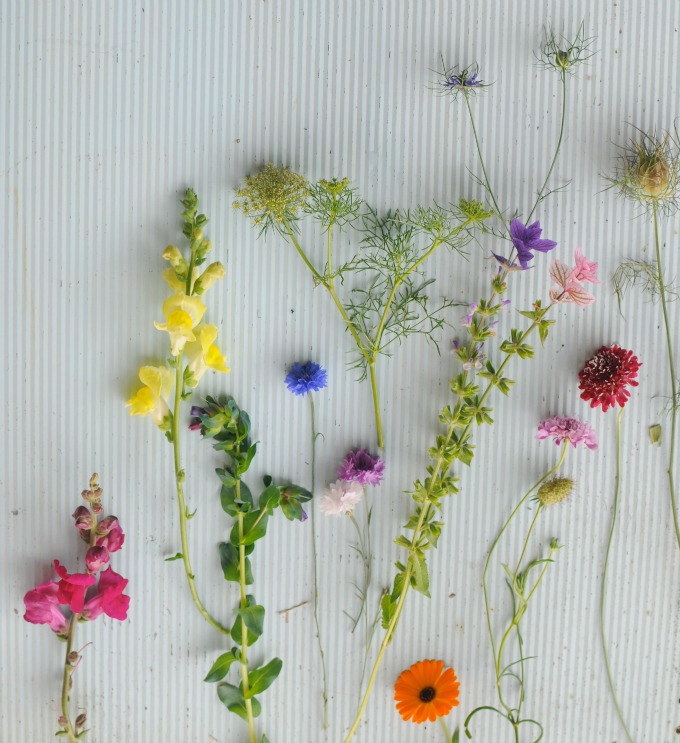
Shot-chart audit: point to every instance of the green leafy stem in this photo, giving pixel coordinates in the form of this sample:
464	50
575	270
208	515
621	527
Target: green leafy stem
229	428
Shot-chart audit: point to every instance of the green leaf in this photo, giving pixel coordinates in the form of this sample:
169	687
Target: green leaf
264	739
226	477
269	498
230	564
420	579
456	736
232	698
222	665
388	607
254	528
655	433
253	616
178	556
262	678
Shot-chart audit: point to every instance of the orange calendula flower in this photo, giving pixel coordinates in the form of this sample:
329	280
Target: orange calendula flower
426	691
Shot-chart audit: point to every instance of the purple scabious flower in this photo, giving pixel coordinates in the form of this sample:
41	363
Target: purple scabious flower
526	238
362	467
567	429
304	378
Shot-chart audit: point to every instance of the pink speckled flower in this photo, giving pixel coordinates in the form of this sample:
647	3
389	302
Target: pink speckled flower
341	497
362	467
567	429
42	607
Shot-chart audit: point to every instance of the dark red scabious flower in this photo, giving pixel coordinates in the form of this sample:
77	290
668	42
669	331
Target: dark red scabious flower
605	378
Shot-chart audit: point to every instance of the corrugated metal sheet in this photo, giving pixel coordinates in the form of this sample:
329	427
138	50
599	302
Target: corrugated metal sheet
109	111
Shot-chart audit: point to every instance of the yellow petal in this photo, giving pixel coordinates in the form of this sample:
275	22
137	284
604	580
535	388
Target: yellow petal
215	360
142	403
159	379
192	306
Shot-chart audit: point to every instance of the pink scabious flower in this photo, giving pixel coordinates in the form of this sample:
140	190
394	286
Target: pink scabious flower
362	467
42	607
72	587
341	497
569	280
567	429
109	599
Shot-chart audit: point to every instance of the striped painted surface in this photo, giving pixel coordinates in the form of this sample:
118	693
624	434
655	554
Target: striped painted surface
109	111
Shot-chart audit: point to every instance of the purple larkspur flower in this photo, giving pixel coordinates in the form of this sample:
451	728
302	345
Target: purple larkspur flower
567	429
362	467
195	422
304	378
526	238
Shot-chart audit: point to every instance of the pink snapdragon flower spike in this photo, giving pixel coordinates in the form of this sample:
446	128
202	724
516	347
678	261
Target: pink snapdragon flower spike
362	467
562	429
42	607
341	497
72	587
109	599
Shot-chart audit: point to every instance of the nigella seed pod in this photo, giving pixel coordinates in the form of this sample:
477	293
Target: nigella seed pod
555	490
652	173
562	59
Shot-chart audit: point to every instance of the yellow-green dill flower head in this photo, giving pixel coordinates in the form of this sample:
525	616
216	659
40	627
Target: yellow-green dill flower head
648	171
555	490
272	196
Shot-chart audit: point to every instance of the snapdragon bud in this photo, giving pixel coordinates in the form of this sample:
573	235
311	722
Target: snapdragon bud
214	272
174	257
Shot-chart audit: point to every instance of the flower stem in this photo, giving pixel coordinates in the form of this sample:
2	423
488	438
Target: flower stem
364	551
66	678
539	196
671	368
603	594
445	728
481	162
324	691
438	471
244	630
183	517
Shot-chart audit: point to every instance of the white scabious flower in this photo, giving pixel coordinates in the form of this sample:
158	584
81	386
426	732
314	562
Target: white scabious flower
341	497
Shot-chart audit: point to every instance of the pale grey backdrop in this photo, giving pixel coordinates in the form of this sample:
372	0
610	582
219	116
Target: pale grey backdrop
109	110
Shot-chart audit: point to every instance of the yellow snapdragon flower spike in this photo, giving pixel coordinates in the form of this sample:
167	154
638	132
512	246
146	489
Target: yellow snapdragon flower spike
179	286
152	399
204	354
182	314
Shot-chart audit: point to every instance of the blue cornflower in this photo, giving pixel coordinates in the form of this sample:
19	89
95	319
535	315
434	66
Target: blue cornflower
304	378
526	238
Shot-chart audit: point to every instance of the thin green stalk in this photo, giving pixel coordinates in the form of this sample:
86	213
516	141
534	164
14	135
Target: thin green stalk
529	533
183	518
66	679
671	369
244	630
324	691
445	728
563	78
365	557
481	162
603	594
433	478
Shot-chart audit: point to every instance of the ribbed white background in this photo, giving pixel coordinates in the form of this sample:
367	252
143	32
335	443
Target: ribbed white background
109	111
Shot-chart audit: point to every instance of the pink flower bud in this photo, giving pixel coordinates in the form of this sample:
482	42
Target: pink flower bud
83	518
97	507
109	534
96	558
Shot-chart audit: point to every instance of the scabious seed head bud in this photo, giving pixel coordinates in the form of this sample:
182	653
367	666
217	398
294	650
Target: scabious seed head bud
555	490
554	544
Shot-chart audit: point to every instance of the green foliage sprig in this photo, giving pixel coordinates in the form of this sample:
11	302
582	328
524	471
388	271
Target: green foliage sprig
390	299
228	427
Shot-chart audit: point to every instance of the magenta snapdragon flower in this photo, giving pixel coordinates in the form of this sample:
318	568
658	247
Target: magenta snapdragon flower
42	607
562	429
362	467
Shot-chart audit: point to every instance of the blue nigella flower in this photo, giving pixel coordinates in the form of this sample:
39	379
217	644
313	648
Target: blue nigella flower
304	378
463	79
526	238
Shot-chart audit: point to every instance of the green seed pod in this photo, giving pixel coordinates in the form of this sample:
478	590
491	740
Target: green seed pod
555	490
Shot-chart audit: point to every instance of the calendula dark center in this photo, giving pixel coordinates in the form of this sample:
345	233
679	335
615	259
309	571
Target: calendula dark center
427	694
